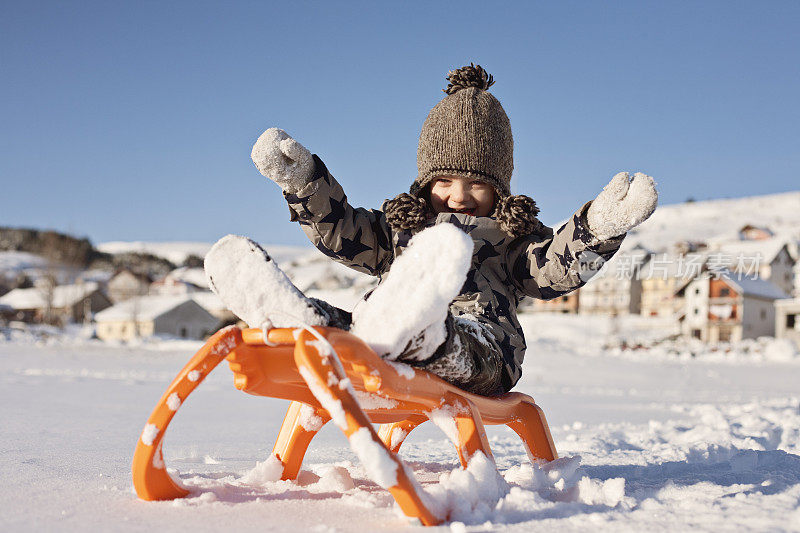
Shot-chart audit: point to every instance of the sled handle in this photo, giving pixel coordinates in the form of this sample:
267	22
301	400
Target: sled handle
323	372
150	477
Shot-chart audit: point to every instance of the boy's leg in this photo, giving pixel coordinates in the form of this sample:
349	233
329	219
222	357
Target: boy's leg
249	282
415	294
469	358
255	289
333	316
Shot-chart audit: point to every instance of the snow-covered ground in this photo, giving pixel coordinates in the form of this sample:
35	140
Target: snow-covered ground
672	441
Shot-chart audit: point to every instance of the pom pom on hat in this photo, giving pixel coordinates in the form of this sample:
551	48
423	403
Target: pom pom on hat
517	215
405	212
471	76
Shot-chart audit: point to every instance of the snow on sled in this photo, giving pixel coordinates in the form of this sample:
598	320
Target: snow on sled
329	374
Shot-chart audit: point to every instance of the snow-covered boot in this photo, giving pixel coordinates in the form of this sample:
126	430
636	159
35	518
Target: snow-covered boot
254	288
406	312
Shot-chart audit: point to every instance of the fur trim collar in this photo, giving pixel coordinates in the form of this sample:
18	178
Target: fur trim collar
516	214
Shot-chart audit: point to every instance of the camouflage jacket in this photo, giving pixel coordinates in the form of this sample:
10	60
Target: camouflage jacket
545	265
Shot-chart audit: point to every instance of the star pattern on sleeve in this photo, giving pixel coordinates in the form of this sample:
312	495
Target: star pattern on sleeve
581	233
521	272
298	205
350	248
381	230
337	212
566	258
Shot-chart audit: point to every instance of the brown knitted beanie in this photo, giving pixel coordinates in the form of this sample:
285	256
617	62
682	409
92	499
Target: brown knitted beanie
466	134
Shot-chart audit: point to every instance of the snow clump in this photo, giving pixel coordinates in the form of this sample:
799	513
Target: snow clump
264	472
149	434
376	459
173	401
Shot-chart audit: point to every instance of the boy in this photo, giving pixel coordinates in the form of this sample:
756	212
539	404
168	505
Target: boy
465	162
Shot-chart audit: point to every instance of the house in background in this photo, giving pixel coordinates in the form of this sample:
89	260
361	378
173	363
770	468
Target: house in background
793	245
749	232
729	307
125	284
194	275
766	258
60	304
175	286
145	316
563	304
617	288
663	276
6	313
787	319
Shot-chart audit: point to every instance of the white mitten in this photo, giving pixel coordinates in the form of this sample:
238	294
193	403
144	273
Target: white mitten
283	160
623	204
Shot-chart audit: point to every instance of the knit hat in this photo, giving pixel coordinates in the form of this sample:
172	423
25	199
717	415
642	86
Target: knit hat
466	134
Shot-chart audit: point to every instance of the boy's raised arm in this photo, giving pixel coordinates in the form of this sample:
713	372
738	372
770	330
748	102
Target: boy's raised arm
551	265
546	266
359	238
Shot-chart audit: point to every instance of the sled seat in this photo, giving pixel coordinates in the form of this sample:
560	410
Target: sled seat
330	374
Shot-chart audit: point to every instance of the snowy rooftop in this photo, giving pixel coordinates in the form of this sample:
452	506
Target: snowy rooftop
35	298
195	276
756	287
16	261
143	308
765	250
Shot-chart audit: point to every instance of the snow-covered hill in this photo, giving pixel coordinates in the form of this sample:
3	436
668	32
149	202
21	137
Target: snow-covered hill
310	270
717	220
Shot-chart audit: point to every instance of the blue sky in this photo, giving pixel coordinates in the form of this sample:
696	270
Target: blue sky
134	121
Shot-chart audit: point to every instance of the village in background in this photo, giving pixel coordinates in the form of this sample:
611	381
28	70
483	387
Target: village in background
715	272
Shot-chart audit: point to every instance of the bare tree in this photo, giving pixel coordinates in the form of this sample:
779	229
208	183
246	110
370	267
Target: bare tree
65	259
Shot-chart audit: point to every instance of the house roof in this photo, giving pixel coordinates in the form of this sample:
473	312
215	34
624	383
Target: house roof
34	298
764	250
748	227
673	265
142	308
18	261
195	276
755	287
144	278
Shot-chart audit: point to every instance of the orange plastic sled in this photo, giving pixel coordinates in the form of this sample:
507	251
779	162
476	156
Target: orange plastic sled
331	374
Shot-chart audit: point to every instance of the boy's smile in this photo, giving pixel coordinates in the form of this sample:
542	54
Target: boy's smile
455	194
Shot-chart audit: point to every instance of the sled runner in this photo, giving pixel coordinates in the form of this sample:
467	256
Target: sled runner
329	374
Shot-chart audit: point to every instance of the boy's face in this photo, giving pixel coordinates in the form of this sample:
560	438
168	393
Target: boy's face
455	194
